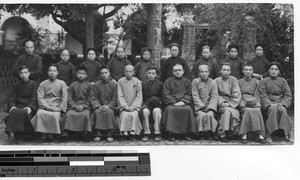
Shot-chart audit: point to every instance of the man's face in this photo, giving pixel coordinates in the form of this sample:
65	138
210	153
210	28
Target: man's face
91	55
274	71
81	75
174	51
178	71
29	47
151	74
233	53
129	72
259	51
105	74
65	56
24	74
52	72
248	71
120	53
204	73
206	53
225	71
146	56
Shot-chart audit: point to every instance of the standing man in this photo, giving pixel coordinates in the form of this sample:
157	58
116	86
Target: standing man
205	98
178	118
167	67
30	60
229	100
206	59
252	119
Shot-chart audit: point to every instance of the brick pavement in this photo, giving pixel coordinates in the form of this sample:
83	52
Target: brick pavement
4	141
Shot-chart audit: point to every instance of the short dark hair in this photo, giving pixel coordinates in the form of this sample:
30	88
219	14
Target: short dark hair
275	63
82	68
62	50
104	67
152	68
248	64
23	67
120	47
52	64
225	64
26	40
233	46
257	45
91	49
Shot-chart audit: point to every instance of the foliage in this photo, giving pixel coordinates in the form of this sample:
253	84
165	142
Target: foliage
71	17
28	32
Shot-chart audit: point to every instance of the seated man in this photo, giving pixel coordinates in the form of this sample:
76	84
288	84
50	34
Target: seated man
104	103
276	97
22	105
252	119
52	96
77	118
229	100
130	100
178	118
152	100
205	98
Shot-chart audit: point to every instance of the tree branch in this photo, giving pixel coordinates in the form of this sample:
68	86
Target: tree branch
68	29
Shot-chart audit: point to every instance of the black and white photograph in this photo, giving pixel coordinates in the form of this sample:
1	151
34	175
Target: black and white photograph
153	75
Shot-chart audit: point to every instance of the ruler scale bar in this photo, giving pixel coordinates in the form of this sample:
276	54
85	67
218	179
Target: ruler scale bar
49	163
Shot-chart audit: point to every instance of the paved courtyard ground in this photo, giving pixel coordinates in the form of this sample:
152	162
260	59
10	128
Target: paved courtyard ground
117	142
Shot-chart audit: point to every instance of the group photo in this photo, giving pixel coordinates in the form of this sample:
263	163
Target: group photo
147	74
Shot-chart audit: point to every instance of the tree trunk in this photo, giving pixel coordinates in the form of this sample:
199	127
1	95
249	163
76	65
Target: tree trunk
89	26
154	14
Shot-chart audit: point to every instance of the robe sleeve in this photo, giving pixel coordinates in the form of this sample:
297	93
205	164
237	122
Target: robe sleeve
265	101
187	72
138	100
64	98
167	96
267	64
12	98
243	103
256	93
164	69
121	98
73	74
17	67
216	69
235	94
87	104
198	104
187	98
40	96
98	78
71	93
33	102
220	98
37	69
195	70
94	98
287	95
113	103
214	97
137	69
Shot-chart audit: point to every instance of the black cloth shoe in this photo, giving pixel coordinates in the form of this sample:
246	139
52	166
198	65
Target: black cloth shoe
171	138
263	141
223	139
244	141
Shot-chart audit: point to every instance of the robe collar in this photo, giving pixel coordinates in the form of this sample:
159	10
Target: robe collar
273	78
105	81
248	79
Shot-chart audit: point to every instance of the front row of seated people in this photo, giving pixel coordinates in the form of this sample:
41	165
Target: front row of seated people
204	107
